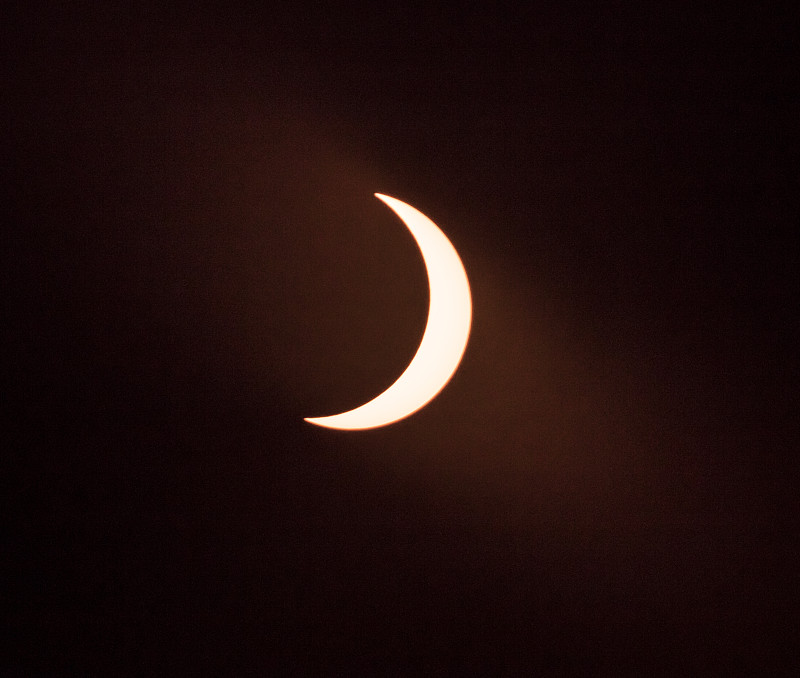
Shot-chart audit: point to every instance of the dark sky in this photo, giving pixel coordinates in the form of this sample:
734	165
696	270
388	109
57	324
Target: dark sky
607	487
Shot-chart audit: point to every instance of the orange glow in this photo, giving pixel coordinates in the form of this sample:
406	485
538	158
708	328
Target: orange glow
444	340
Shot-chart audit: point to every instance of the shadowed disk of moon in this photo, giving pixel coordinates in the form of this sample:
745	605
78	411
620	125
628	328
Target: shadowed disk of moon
443	342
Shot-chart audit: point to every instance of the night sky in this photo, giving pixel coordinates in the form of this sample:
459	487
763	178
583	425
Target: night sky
195	261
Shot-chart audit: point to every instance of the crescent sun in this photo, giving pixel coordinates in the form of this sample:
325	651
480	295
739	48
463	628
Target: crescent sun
444	340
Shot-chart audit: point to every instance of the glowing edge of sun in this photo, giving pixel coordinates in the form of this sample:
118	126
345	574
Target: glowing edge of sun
444	340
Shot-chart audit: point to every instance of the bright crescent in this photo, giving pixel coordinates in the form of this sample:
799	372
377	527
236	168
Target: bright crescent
444	340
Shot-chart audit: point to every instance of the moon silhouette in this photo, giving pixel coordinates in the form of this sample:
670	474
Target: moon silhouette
444	340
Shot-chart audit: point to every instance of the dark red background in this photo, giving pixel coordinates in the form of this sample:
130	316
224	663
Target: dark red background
608	486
